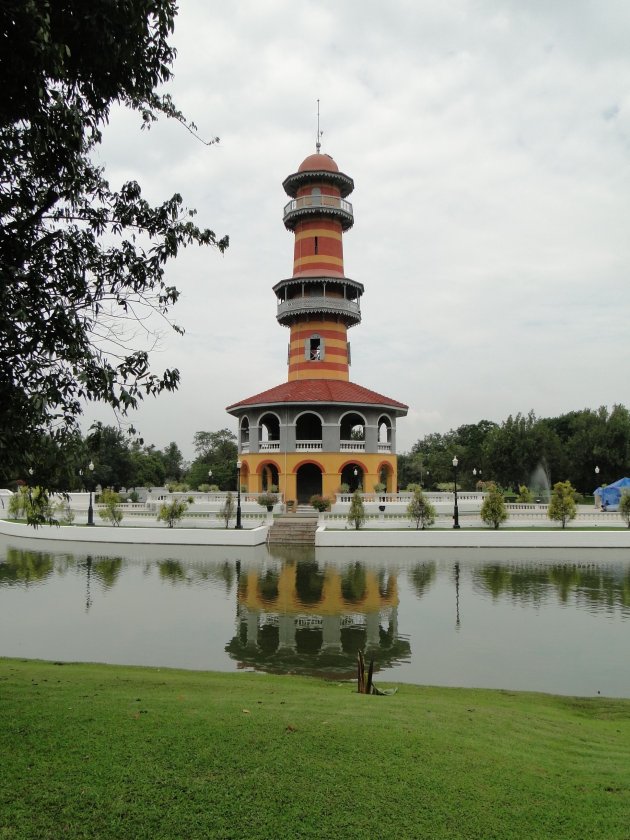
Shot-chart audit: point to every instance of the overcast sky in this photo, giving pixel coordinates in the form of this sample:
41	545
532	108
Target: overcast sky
489	142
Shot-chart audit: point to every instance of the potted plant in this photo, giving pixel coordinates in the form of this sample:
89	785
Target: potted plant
320	503
267	500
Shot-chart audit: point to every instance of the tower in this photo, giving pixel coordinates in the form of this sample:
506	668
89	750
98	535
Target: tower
318	431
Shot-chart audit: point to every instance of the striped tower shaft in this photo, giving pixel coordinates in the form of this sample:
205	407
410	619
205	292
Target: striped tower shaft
318	252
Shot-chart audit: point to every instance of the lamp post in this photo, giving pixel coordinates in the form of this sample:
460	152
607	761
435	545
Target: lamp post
455	509
596	473
90	519
238	525
476	473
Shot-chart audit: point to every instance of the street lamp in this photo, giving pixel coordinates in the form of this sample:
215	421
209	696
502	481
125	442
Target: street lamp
455	510
90	519
238	525
596	473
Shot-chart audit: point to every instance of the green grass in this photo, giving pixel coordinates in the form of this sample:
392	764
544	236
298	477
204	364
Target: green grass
116	752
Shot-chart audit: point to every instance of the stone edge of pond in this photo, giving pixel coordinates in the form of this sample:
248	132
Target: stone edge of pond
462	538
136	535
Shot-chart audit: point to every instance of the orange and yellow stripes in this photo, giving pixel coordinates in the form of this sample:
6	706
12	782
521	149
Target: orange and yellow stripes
334	361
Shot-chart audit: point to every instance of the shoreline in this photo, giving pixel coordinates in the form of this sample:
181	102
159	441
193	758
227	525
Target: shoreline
542	537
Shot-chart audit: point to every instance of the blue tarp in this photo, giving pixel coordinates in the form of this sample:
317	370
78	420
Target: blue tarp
611	494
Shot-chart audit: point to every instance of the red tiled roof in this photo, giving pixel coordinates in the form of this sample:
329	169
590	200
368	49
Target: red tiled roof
317	391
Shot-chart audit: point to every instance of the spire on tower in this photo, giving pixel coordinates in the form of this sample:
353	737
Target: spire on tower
318	145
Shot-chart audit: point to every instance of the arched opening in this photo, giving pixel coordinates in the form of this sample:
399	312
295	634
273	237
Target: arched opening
352	430
244	477
352	476
316	196
244	435
384	433
308	431
309	482
386	477
269	478
269	432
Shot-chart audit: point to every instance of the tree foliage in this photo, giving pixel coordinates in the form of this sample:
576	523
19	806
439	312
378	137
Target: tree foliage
624	507
493	511
110	512
562	507
228	509
172	512
511	453
420	510
82	264
216	451
356	514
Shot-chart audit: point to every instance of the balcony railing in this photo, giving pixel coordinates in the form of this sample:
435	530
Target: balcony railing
384	447
352	446
315	201
269	445
321	303
308	445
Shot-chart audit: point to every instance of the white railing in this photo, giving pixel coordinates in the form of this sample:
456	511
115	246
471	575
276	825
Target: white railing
352	446
245	447
308	445
384	447
315	304
308	201
269	445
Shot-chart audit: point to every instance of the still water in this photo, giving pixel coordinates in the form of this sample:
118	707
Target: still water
550	620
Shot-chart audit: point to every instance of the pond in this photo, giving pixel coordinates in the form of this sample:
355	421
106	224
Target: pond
554	621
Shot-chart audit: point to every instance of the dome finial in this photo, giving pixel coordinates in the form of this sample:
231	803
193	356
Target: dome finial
318	145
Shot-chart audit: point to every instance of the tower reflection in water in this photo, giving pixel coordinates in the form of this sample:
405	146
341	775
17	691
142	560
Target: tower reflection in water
301	617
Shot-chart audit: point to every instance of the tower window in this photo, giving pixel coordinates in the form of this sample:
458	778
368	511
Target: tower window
316	196
316	246
314	348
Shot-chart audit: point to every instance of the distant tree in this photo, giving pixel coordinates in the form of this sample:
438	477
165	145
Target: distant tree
624	507
82	263
493	510
562	507
228	509
111	511
420	510
356	514
109	449
149	469
525	495
172	512
216	451
173	461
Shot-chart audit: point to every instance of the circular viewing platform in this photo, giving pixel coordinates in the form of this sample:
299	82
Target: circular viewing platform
320	205
348	310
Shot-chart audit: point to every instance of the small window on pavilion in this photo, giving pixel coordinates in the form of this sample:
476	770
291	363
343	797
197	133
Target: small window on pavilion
316	246
316	196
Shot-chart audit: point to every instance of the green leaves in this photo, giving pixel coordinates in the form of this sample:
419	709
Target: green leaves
81	265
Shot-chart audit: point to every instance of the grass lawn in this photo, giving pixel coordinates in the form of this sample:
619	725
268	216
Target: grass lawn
116	752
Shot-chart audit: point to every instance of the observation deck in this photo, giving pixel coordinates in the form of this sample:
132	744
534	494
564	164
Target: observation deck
307	206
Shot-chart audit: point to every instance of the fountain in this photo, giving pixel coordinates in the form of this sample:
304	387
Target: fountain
540	484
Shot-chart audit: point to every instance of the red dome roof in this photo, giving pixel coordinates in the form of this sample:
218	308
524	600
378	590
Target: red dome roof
317	162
